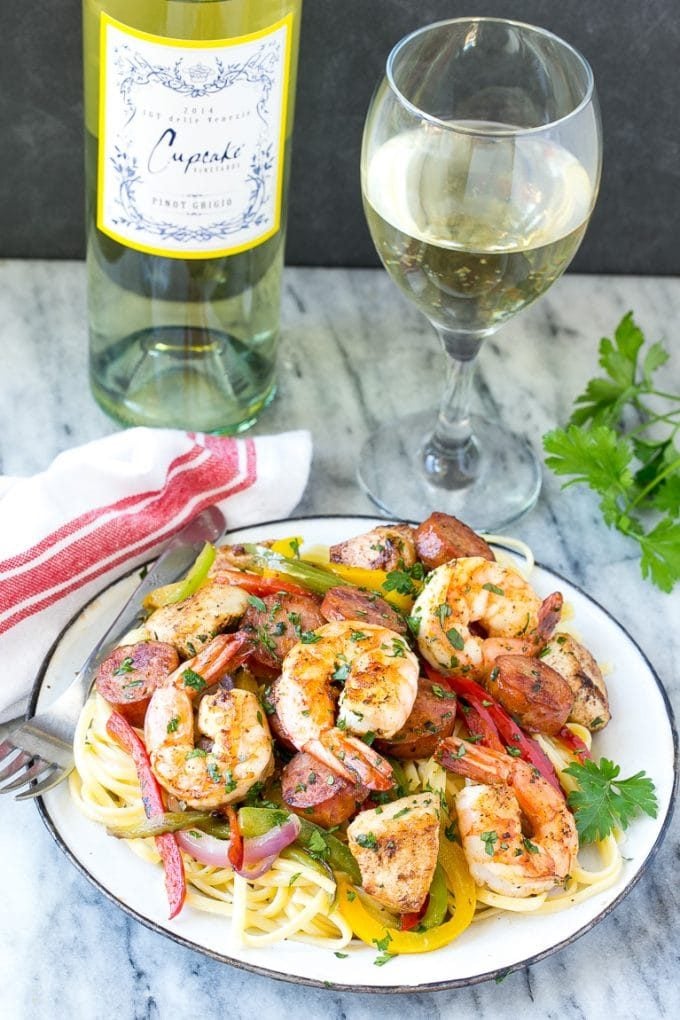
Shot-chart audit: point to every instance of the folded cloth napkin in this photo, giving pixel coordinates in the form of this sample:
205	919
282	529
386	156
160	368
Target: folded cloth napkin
102	508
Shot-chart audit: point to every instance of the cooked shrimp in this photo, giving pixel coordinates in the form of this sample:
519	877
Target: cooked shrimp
241	752
221	656
380	677
492	816
473	609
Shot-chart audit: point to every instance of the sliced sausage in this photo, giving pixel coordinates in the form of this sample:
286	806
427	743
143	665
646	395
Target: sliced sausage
441	538
344	603
432	718
314	792
277	622
131	673
538	697
387	547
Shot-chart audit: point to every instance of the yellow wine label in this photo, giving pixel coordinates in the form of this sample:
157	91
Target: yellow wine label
191	139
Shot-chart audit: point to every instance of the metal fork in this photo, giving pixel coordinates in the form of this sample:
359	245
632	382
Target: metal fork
39	751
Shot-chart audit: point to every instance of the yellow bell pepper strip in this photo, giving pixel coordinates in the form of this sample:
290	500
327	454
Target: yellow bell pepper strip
373	580
372	932
168	594
287	546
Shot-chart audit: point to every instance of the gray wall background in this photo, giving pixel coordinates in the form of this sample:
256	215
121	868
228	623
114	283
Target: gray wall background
632	45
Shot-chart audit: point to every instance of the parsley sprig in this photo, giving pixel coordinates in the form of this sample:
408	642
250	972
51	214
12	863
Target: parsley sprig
604	802
621	442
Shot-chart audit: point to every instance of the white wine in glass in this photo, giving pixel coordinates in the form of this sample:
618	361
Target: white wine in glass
480	169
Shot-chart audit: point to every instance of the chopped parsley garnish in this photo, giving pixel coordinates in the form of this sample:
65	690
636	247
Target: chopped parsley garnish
253	600
440	692
489	839
341	671
399	581
454	638
368	841
308	637
317	846
126	666
398	649
443	612
383	943
193	680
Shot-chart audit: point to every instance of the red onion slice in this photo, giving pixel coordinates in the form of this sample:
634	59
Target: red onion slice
256	869
204	848
259	852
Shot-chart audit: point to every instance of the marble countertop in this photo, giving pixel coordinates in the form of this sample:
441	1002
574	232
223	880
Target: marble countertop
353	352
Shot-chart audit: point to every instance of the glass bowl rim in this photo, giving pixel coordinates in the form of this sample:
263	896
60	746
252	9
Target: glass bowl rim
586	100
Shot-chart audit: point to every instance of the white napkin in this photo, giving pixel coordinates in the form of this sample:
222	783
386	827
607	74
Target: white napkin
102	508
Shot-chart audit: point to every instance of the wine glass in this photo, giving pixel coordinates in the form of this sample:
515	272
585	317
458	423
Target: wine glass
480	168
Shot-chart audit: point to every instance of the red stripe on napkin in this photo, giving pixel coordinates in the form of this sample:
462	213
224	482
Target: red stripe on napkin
71	528
84	549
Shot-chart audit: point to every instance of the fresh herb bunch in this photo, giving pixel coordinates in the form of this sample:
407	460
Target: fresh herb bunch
625	450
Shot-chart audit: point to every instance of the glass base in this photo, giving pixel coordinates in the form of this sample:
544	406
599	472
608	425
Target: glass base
505	486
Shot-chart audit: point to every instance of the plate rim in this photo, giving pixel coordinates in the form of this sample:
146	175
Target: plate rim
435	986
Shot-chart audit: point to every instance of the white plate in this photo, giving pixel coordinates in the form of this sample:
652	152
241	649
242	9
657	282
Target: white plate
635	740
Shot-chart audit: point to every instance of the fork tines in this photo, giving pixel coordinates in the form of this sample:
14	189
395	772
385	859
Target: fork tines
26	769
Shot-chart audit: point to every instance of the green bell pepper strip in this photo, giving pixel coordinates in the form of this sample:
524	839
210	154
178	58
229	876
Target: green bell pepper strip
438	902
324	845
168	594
315	579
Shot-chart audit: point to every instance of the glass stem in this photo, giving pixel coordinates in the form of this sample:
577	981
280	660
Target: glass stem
451	454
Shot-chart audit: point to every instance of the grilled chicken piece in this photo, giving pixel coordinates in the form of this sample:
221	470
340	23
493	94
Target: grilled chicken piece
396	849
192	623
575	663
386	547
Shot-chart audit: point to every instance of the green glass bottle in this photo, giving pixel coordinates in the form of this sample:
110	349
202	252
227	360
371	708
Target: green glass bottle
188	115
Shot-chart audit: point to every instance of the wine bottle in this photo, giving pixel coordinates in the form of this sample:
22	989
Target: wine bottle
188	117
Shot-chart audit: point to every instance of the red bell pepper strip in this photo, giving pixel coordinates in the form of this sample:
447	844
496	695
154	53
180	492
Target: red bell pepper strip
407	922
480	724
152	798
574	743
235	851
257	585
509	731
